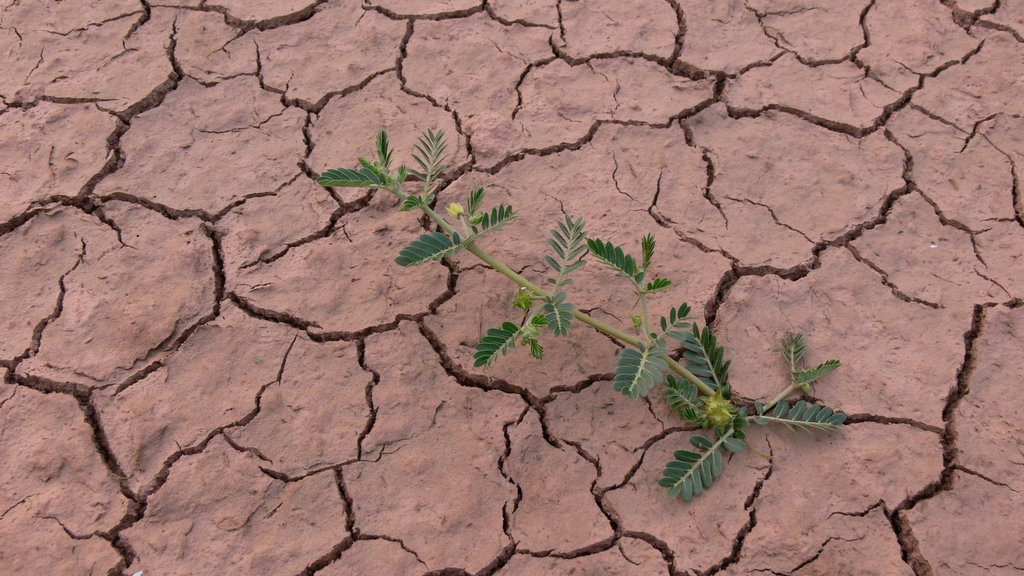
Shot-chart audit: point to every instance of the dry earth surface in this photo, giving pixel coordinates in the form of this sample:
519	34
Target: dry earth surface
212	365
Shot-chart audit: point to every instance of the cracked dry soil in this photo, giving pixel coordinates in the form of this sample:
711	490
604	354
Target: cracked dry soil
211	365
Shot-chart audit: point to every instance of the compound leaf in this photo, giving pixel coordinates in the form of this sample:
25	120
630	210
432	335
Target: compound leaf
638	371
430	246
803	377
497	342
558	313
383	150
802	416
706	357
689	474
613	256
349	178
476	200
499	216
793	348
647	247
681	396
429	155
657	285
675	325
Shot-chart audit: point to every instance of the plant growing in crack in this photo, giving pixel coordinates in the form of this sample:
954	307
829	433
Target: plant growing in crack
699	391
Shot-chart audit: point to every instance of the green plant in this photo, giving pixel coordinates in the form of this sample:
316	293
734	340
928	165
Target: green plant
699	391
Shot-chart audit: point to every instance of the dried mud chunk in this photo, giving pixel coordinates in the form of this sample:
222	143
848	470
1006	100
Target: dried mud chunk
816	181
621	89
430	476
346	129
36	256
540	12
125	306
972	529
52	471
909	39
988	430
987	84
899	358
925	259
608	425
210	50
816	30
263	228
263	10
348	281
819	487
643	507
212	381
364	43
608	26
969	180
312	417
474	65
114	68
839	93
629	557
557	511
38	545
205	148
374	558
1000	246
219	514
723	36
50	150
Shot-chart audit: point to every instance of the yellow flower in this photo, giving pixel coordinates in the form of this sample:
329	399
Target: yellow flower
456	210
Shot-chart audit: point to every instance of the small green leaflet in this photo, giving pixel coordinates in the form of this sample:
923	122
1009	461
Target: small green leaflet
638	371
706	358
430	246
499	216
677	322
346	178
793	348
804	377
682	397
657	285
558	313
476	200
801	416
383	151
613	256
429	155
647	246
497	342
689	474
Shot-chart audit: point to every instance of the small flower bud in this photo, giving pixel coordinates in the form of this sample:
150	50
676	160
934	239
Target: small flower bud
456	210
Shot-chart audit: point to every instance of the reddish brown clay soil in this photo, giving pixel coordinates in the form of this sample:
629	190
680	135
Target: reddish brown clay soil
212	366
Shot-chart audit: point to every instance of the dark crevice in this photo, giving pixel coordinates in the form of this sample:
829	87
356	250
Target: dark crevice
888	283
468	380
508	509
375	379
911	552
666	552
876	419
448	15
741	536
510	23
